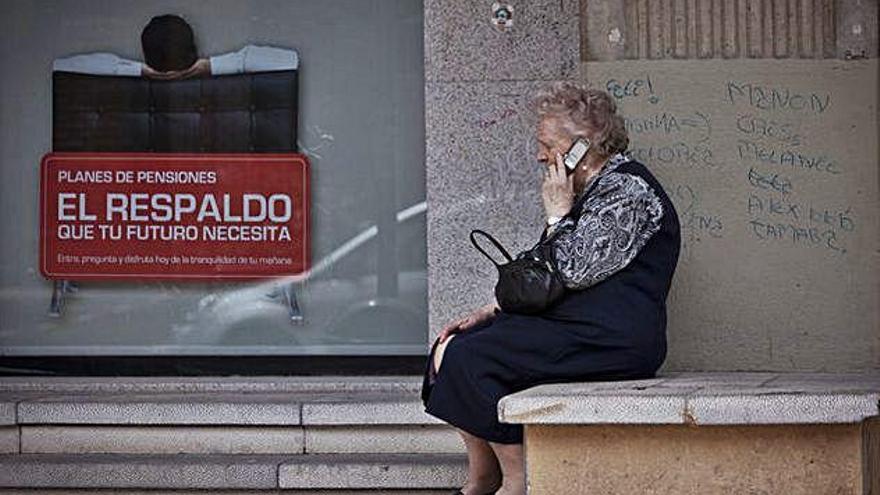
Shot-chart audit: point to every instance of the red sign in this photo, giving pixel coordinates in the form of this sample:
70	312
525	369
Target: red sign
173	216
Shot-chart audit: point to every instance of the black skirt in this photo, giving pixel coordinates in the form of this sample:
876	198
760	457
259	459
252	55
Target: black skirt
514	352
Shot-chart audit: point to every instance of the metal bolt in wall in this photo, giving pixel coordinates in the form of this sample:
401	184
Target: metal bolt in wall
502	15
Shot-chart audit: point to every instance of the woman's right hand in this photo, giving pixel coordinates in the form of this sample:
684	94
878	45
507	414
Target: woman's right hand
557	190
478	316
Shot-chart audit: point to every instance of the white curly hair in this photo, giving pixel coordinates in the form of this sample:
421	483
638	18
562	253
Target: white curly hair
584	112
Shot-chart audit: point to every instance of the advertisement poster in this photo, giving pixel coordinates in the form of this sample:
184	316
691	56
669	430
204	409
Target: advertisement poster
118	216
213	180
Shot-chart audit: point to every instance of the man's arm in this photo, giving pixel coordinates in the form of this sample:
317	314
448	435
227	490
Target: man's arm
102	64
254	58
251	58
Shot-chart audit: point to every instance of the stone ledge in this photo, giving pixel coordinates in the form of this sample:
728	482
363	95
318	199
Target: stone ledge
387	409
701	399
160	439
257	384
223	408
226	472
10	439
7	412
246	440
389	439
138	471
163	409
279	491
374	471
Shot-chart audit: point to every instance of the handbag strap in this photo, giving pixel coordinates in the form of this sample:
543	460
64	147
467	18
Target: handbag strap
493	241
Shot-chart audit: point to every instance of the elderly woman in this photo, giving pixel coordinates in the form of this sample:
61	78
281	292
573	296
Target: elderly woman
616	254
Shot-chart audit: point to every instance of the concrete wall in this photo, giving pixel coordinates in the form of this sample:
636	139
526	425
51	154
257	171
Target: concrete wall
480	148
777	205
728	29
740	301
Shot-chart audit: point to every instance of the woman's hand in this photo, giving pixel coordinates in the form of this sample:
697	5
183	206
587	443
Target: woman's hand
478	316
557	191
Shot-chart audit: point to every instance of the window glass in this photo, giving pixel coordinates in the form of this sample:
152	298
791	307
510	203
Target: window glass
359	119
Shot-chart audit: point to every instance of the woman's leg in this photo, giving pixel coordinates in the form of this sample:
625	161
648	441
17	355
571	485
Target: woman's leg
513	467
484	472
438	353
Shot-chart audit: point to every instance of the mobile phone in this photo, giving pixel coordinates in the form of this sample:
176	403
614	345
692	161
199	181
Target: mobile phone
575	154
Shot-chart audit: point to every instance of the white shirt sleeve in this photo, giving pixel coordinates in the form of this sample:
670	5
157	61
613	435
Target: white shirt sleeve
102	64
254	58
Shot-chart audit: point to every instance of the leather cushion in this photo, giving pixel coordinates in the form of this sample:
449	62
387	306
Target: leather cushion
254	113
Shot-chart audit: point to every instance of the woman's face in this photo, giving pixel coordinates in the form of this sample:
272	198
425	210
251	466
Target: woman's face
552	139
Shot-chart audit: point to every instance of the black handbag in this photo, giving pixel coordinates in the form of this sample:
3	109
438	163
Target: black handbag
527	285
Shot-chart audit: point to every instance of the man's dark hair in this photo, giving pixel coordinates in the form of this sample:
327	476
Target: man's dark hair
168	43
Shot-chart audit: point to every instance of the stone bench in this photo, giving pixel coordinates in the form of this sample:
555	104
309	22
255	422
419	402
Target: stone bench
701	433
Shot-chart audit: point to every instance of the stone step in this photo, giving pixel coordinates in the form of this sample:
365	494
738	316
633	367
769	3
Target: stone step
218	408
279	491
235	384
358	420
135	439
229	472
